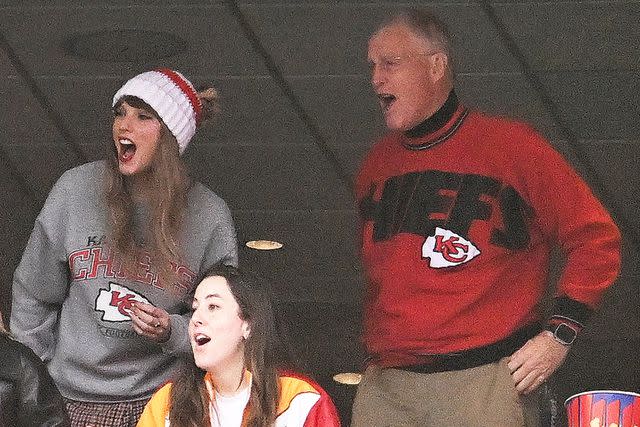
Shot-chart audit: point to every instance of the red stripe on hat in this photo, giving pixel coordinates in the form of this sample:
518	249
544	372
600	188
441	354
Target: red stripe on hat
186	89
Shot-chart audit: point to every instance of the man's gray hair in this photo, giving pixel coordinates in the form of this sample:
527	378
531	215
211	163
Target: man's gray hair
426	25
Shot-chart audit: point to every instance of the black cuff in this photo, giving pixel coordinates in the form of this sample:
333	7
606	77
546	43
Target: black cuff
569	309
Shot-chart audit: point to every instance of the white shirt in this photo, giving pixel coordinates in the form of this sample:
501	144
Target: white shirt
227	411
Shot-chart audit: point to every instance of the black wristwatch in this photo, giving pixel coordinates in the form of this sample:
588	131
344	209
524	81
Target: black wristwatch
563	333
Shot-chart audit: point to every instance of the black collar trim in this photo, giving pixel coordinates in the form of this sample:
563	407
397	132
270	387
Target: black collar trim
437	120
429	144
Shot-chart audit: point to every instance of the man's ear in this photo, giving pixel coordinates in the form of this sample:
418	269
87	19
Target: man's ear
439	65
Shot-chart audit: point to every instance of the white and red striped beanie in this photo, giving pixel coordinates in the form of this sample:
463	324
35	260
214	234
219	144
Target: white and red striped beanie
173	98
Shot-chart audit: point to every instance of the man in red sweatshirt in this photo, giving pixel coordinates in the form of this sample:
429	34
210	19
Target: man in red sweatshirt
459	213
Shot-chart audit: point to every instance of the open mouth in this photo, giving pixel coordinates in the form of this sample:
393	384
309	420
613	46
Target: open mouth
127	149
386	100
201	339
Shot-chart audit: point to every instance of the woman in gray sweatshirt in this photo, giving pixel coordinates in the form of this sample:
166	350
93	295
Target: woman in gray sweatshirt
99	292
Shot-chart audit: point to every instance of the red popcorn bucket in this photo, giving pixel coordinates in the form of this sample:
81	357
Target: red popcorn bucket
603	408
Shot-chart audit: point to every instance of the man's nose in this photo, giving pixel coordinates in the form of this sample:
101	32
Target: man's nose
377	75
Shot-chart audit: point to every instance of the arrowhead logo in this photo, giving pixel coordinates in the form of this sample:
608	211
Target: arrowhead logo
116	301
447	249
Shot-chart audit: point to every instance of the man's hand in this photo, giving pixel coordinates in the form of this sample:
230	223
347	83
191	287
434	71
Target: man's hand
534	363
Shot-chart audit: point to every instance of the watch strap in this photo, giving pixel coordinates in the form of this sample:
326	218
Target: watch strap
564	331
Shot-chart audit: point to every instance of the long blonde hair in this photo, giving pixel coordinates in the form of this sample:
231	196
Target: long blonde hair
167	205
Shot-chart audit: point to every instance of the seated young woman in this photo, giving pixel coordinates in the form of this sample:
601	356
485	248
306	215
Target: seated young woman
234	377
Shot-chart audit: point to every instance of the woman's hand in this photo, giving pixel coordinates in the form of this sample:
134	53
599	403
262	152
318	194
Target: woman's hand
150	321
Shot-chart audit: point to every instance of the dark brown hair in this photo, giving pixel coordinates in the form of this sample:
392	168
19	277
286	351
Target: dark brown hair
263	355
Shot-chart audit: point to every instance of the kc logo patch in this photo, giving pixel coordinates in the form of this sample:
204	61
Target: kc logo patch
116	301
447	249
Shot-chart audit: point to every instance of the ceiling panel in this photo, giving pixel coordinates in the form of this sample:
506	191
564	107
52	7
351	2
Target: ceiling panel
334	3
23	121
215	44
344	107
293	177
271	3
6	68
12	193
507	95
618	314
100	4
630	261
352	155
253	111
577	35
297	37
597	105
41	164
621	186
17	213
18	216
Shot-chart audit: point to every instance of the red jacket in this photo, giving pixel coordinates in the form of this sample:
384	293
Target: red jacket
301	402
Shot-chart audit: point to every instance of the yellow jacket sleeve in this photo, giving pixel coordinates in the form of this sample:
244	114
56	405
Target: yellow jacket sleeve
156	412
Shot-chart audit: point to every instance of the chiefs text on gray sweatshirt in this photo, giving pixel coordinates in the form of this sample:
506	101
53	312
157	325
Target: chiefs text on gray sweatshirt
71	296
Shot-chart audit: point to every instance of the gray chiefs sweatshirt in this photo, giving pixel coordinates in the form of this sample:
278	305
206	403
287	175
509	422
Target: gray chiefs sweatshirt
70	295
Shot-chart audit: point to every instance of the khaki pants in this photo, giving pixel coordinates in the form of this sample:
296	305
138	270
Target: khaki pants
476	397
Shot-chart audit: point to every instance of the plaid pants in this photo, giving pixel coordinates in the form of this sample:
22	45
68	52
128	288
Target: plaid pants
117	414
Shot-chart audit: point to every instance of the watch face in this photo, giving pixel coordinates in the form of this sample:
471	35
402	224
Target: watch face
565	333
